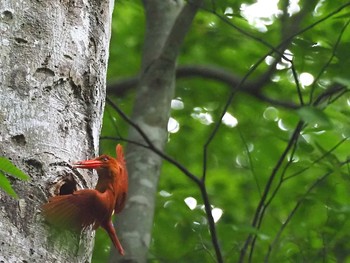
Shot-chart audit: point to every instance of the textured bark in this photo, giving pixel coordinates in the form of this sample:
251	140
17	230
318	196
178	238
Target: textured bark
167	23
53	57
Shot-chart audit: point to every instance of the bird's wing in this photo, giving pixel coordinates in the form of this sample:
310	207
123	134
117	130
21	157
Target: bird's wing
120	204
122	182
77	210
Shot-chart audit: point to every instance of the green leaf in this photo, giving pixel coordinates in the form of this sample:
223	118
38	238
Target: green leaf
314	116
8	167
5	184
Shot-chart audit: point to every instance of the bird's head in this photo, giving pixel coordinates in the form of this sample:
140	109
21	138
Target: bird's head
107	167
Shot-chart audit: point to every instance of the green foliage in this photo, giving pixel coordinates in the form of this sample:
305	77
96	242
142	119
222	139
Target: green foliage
102	246
306	212
7	167
126	41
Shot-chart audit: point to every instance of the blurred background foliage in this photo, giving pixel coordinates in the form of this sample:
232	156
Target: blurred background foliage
307	205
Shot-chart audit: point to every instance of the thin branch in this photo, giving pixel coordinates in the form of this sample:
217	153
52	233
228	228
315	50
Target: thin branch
317	160
150	145
297	84
336	11
334	89
322	71
246	33
267	201
226	106
206	249
259	212
119	88
207	207
121	139
250	160
114	123
281	180
272	196
291	214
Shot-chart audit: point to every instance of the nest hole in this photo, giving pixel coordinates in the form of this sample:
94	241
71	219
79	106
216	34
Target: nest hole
68	187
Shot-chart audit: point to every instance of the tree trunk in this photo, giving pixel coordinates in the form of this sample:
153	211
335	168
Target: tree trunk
53	57
167	23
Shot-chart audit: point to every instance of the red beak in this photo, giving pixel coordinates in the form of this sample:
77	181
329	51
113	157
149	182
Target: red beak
89	164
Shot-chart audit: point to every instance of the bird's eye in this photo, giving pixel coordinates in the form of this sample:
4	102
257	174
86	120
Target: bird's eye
104	159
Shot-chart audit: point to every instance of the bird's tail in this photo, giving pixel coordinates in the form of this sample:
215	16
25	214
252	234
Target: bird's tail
113	235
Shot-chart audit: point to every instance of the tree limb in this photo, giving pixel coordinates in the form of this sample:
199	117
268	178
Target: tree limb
121	87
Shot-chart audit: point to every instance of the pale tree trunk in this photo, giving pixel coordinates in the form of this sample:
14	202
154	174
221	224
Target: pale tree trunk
53	57
167	22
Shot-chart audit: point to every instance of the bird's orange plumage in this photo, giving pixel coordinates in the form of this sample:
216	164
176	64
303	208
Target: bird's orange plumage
93	206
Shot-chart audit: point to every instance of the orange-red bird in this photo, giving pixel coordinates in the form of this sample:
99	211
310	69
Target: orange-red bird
93	206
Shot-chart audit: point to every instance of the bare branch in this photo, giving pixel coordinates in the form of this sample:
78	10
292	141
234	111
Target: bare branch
150	145
119	88
291	214
313	88
259	212
297	84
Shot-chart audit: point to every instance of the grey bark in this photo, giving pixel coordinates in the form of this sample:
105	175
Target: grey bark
53	59
167	23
